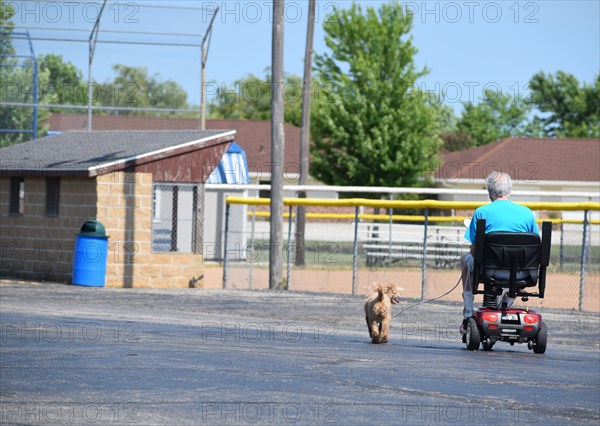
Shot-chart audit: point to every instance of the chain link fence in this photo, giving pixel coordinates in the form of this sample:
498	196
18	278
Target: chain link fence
175	218
420	255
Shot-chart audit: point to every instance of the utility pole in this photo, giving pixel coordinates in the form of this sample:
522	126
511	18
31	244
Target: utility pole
305	133
277	149
205	47
92	48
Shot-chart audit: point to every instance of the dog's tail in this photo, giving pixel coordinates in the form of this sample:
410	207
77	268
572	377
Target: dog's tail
379	290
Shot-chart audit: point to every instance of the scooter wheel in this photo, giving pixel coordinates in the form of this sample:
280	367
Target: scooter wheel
487	345
541	340
473	338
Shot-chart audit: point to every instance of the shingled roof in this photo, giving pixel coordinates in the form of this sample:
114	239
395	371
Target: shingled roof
254	136
94	153
527	159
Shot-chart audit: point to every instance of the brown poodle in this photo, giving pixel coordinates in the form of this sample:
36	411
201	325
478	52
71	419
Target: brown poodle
378	310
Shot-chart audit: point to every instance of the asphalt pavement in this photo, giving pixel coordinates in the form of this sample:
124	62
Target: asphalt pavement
77	355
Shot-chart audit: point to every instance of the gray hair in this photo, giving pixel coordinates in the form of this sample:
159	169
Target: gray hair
498	185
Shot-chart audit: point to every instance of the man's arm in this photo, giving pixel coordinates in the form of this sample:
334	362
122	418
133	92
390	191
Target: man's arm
533	224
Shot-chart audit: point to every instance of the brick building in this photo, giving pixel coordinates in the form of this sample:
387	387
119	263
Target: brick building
145	187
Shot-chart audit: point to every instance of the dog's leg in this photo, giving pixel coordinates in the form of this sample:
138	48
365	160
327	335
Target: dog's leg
385	329
369	327
374	332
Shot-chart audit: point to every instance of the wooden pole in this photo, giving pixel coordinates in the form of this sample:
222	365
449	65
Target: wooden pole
227	208
305	133
277	148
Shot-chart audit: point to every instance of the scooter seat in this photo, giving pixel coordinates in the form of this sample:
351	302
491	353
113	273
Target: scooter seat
502	277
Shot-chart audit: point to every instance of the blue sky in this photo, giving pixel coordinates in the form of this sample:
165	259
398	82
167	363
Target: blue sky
466	45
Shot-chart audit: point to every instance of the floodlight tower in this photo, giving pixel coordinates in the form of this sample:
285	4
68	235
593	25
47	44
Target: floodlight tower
92	47
205	47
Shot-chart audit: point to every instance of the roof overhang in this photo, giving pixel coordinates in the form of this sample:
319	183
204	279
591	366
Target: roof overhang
185	148
15	168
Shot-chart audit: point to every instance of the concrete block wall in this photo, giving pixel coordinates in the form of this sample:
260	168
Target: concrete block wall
39	247
34	246
125	209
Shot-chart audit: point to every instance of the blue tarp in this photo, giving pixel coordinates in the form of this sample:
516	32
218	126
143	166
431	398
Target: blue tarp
233	167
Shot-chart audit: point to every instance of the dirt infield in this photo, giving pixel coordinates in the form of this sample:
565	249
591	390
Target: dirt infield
562	290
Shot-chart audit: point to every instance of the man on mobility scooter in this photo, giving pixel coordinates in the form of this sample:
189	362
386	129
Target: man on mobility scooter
507	256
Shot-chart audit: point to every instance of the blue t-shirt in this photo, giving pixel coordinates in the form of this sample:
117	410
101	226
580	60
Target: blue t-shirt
503	216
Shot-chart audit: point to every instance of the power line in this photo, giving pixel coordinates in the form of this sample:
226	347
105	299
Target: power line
145	43
100	108
111	31
139	4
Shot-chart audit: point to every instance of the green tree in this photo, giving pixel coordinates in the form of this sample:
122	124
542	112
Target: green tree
250	99
452	138
446	117
66	84
7	11
456	141
133	87
16	87
495	117
570	109
371	125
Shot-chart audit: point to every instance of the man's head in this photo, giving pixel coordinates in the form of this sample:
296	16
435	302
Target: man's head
498	185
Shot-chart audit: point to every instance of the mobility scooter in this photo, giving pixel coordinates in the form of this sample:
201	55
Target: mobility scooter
508	264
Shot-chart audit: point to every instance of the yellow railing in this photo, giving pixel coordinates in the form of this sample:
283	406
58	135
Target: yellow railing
365	216
405	218
409	204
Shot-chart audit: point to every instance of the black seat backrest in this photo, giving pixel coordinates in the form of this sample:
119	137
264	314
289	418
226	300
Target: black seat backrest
514	260
501	249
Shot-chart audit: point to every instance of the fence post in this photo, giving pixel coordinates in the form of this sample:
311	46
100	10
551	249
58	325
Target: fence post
424	263
561	255
583	260
391	211
251	247
225	244
174	217
289	248
355	251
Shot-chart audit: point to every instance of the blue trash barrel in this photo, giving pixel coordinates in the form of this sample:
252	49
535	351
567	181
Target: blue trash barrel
91	252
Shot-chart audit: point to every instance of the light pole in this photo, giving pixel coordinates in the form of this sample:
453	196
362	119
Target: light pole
205	47
92	47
